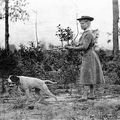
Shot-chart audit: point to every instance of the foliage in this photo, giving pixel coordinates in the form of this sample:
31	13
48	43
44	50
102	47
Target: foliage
17	10
96	36
29	60
102	55
65	34
111	67
59	65
8	62
113	71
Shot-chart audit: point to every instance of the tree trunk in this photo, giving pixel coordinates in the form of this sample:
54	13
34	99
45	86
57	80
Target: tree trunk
3	86
61	43
36	32
7	25
115	27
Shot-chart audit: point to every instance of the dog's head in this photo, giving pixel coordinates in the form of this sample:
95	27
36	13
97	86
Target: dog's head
14	79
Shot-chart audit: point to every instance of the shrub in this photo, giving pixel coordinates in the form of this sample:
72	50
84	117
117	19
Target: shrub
8	62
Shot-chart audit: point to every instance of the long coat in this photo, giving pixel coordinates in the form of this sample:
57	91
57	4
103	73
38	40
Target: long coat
91	70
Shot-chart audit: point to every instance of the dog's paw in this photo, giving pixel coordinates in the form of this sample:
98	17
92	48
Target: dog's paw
31	107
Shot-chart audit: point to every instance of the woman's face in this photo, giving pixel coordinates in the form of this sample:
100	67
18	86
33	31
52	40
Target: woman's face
84	24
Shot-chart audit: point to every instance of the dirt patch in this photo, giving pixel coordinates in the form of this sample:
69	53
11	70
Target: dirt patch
66	108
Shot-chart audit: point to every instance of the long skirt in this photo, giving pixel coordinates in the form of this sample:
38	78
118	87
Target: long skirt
91	70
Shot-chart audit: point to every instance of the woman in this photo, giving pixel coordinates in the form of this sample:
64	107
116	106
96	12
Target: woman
91	72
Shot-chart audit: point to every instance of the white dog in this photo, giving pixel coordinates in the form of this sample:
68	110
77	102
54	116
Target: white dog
28	83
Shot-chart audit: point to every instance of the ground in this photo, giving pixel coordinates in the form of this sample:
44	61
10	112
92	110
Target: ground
68	107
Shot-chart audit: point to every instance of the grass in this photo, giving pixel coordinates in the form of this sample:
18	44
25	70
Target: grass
66	108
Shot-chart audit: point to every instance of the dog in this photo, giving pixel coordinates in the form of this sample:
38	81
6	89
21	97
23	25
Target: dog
28	83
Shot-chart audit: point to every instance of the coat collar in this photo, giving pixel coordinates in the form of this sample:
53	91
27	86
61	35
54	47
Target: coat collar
88	29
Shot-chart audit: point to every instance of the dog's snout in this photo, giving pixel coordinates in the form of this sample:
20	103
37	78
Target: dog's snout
10	83
9	80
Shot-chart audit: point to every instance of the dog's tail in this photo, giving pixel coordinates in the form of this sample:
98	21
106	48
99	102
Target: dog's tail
50	81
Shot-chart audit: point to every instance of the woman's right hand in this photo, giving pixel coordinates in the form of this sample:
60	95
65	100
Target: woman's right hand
73	43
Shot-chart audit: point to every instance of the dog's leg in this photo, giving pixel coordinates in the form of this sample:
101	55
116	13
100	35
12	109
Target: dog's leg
40	96
47	91
37	91
27	95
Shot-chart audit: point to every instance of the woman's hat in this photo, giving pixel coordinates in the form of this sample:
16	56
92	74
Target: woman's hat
86	18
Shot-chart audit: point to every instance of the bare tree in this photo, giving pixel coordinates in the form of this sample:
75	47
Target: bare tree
115	27
15	10
36	31
6	25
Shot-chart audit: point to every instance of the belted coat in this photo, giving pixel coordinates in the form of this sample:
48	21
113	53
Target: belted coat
90	70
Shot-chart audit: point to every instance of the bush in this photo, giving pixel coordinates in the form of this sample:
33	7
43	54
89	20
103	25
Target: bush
110	67
8	62
113	71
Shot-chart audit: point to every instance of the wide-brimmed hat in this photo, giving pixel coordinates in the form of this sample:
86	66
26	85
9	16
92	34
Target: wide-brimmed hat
86	18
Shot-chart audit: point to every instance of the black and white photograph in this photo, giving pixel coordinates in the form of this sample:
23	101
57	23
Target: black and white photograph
59	60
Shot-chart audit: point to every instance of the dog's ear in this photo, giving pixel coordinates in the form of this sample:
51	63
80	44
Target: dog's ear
15	79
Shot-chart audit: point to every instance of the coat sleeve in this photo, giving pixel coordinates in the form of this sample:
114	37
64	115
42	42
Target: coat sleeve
86	42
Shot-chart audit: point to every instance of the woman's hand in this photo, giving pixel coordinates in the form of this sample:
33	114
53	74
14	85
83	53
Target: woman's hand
73	43
68	47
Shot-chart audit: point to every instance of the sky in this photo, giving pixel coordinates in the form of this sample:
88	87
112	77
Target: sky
50	13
